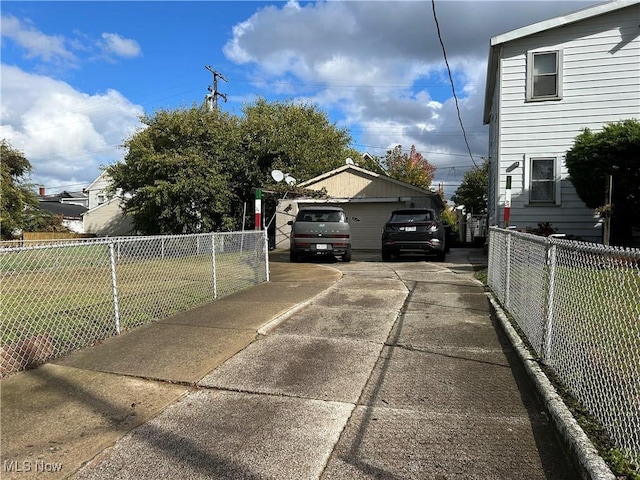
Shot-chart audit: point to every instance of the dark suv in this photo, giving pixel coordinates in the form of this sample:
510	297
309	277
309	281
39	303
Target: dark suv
413	230
320	231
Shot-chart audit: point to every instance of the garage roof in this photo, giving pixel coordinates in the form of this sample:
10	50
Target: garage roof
349	169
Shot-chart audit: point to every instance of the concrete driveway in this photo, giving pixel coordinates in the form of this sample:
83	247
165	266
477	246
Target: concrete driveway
395	371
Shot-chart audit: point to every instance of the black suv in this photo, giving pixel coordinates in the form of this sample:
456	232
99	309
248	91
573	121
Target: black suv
413	230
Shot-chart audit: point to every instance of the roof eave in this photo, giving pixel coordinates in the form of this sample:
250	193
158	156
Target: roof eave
365	172
561	21
492	74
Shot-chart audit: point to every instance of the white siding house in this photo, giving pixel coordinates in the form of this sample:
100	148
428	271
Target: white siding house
545	83
105	217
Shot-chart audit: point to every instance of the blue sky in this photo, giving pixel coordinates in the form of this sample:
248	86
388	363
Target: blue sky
76	76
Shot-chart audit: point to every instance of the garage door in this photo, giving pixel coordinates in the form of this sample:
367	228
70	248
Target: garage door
367	221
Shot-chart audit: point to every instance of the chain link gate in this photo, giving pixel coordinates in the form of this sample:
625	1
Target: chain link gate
57	297
578	304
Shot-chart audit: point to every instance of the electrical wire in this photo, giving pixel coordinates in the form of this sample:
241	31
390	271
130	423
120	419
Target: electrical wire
453	88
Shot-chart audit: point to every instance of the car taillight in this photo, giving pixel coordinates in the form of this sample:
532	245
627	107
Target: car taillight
341	236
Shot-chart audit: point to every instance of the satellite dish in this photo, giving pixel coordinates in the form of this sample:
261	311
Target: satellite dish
290	180
349	161
277	175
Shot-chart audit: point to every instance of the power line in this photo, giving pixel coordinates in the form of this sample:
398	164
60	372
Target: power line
453	88
421	151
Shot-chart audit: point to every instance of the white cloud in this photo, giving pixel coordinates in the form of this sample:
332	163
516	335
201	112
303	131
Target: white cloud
62	51
380	67
65	134
114	44
36	44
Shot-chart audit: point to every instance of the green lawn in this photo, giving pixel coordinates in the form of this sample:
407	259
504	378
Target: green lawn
68	293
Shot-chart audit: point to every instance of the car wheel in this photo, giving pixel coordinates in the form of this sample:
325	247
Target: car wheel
440	256
293	257
386	255
346	257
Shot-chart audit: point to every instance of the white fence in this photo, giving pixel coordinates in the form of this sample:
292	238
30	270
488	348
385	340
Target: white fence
57	297
578	304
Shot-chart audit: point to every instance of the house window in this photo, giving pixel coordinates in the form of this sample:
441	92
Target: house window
542	178
101	199
544	79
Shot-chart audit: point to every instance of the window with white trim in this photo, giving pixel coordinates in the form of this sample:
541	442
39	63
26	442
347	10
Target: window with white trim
544	76
542	180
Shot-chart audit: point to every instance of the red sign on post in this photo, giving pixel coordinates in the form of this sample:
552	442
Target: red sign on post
258	210
507	202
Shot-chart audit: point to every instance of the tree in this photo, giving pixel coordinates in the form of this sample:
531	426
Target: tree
473	190
192	170
611	152
43	221
18	202
410	168
182	173
296	138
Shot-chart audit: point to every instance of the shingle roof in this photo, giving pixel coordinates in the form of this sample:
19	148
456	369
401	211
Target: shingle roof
65	209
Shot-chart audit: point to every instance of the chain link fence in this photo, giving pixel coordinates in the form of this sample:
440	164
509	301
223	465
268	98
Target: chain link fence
578	305
60	296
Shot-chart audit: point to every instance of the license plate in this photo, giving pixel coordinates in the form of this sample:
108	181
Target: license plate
409	229
322	246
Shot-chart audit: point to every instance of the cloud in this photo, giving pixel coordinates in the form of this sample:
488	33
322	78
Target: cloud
65	134
380	67
37	45
61	51
114	45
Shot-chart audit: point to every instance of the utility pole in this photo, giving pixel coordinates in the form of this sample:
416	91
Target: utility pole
211	99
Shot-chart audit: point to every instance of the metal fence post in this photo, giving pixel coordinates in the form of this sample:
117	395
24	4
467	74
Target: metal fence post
213	264
266	253
114	286
547	330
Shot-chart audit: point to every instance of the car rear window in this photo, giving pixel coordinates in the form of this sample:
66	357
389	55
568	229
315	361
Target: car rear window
320	216
412	216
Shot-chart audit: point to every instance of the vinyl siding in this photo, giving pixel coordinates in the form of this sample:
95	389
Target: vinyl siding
107	220
600	84
97	188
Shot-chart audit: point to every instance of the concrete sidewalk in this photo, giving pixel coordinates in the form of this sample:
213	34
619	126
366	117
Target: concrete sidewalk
59	416
359	370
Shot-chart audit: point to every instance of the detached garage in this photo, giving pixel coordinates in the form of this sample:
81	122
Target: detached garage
367	198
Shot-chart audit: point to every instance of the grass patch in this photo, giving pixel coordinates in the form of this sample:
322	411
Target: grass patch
620	464
481	275
68	295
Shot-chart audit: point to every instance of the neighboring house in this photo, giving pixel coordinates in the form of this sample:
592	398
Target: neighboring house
367	198
545	83
105	217
68	204
75	198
